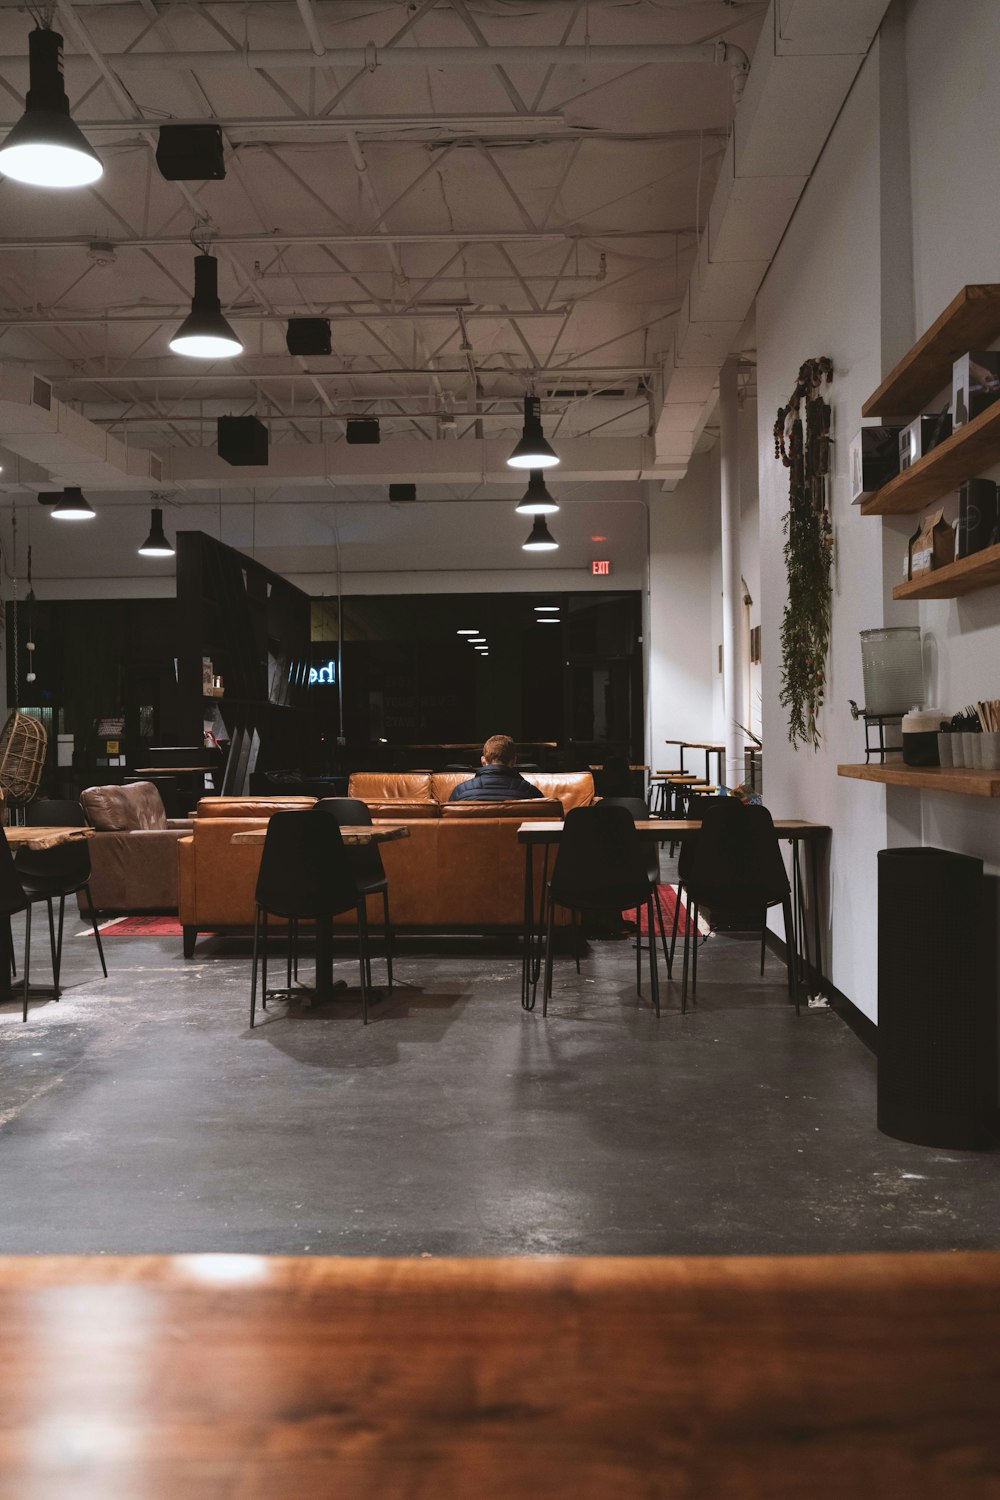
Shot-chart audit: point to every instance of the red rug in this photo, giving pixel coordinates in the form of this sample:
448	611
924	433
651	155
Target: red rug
141	927
668	900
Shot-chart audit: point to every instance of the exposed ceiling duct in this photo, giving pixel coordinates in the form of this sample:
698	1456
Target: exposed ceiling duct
48	433
805	62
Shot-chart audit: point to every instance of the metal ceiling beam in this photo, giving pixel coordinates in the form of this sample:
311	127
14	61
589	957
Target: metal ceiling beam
328	237
255	315
372	58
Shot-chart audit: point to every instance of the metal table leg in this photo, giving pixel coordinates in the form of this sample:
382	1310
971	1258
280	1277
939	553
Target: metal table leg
814	882
527	998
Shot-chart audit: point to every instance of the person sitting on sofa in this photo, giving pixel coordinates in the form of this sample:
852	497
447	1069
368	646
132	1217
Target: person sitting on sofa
497	781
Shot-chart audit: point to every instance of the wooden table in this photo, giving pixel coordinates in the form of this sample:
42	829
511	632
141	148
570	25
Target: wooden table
710	747
794	831
245	1377
353	836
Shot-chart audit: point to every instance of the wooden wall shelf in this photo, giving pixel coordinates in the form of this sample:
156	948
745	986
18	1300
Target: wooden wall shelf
971	449
980	571
929	778
970	321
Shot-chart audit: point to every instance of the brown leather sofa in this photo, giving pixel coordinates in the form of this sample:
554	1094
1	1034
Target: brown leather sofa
133	854
461	868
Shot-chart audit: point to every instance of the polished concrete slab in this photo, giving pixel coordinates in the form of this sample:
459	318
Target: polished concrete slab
141	1114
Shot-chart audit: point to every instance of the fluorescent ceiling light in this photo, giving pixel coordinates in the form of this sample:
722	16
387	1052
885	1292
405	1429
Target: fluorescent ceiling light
473	631
545	609
45	148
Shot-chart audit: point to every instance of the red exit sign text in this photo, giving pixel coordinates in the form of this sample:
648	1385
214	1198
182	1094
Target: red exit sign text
600	567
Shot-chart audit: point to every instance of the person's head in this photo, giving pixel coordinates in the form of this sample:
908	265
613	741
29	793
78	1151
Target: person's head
499	750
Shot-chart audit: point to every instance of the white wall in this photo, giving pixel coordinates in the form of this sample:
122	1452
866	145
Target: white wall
900	213
682	634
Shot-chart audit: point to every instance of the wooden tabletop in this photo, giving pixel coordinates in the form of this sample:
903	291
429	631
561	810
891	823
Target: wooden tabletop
243	1377
548	831
44	836
383	834
696	744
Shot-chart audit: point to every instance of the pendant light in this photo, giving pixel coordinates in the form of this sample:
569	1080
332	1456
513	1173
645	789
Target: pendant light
205	333
73	505
537	501
533	452
156	544
541	538
45	148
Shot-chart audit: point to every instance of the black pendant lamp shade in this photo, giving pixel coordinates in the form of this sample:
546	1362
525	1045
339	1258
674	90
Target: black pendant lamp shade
45	148
156	544
205	333
533	452
537	501
541	538
73	505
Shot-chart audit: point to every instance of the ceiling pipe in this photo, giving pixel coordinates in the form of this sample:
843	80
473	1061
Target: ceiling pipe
276	237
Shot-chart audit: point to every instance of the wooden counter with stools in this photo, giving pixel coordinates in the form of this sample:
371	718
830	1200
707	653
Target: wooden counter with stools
860	1377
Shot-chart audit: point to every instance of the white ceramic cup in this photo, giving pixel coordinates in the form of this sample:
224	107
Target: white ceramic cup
990	751
945	749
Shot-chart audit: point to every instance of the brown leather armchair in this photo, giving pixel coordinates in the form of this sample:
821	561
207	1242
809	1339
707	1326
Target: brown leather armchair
133	854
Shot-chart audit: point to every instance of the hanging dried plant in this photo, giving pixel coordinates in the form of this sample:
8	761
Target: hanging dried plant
804	449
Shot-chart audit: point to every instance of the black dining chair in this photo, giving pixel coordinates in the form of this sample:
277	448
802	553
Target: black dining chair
304	875
735	866
601	866
639	812
365	861
54	874
13	899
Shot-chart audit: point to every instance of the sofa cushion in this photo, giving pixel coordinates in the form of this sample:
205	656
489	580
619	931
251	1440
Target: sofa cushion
121	809
571	788
250	807
397	811
388	786
525	807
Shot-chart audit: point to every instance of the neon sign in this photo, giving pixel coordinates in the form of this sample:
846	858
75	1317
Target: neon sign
324	676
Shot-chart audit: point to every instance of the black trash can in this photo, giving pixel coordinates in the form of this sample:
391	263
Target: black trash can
936	1006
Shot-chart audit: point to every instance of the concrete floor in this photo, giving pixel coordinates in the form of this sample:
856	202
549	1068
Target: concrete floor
141	1114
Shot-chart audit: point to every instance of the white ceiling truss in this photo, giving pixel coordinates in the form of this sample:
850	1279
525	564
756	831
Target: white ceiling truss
484	197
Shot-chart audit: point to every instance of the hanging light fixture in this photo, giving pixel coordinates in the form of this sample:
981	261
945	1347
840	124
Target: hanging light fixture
45	148
537	501
73	505
205	333
156	544
541	538
533	452
472	630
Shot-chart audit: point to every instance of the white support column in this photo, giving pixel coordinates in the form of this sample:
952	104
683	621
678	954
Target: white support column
729	487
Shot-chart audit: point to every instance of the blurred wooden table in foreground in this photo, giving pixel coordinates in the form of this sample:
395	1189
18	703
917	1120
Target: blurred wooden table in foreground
245	1377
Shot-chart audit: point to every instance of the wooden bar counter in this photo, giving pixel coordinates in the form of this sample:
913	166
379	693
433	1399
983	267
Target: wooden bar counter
233	1377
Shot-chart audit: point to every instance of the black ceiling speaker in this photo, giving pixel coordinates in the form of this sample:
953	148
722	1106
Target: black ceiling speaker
309	336
242	441
191	153
363	430
399	493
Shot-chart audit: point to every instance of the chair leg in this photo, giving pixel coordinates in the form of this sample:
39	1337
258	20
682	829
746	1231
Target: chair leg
294	925
256	955
364	959
763	941
27	957
677	916
638	951
577	937
687	949
290	935
387	930
667	955
654	978
263	959
92	914
52	948
790	953
547	988
693	922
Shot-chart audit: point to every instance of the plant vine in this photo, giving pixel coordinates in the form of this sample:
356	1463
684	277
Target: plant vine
804	448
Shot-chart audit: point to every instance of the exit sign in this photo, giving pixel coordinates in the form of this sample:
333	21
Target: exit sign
601	567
